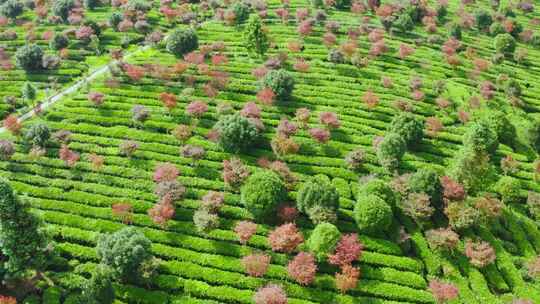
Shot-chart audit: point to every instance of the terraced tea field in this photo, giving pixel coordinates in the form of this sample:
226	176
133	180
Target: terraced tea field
77	186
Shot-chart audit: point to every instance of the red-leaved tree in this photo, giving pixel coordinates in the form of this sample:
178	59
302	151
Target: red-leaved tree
302	268
285	238
348	250
256	265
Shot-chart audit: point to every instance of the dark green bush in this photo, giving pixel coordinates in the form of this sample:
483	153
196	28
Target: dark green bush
454	30
409	127
262	192
480	136
181	42
512	88
59	41
426	180
125	251
236	133
99	289
496	28
280	82
505	44
483	19
372	214
61	8
390	151
29	57
114	19
255	38
318	198
38	135
24	243
11	9
241	11
323	240
91	4
404	23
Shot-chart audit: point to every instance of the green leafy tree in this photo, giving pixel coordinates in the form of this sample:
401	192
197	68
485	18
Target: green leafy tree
323	240
319	199
61	8
280	82
262	193
98	289
11	9
181	42
255	37
372	214
126	251
23	243
236	133
29	57
38	135
28	91
390	151
409	127
505	44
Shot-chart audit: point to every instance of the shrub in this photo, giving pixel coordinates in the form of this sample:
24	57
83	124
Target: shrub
255	37
181	42
480	253
128	147
348	250
24	242
99	289
91	4
409	127
426	180
69	157
285	238
270	294
347	279
452	190
262	192
481	137
212	201
38	135
12	124
7	149
245	230
194	152
29	57
330	120
443	239
418	207
483	20
234	172
162	212
61	8
139	113
173	189
125	251
390	151
11	9
505	44
320	135
489	206
317	191
302	268
280	82
205	221
241	11
404	23
256	265
512	88
196	108
509	189
355	158
461	215
236	133
182	132
372	214
282	145
287	213
443	292
114	20
323	240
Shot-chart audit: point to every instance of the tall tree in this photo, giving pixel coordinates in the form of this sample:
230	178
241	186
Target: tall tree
24	245
255	37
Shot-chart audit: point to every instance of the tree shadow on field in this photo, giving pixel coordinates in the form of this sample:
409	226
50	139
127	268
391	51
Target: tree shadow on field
330	151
